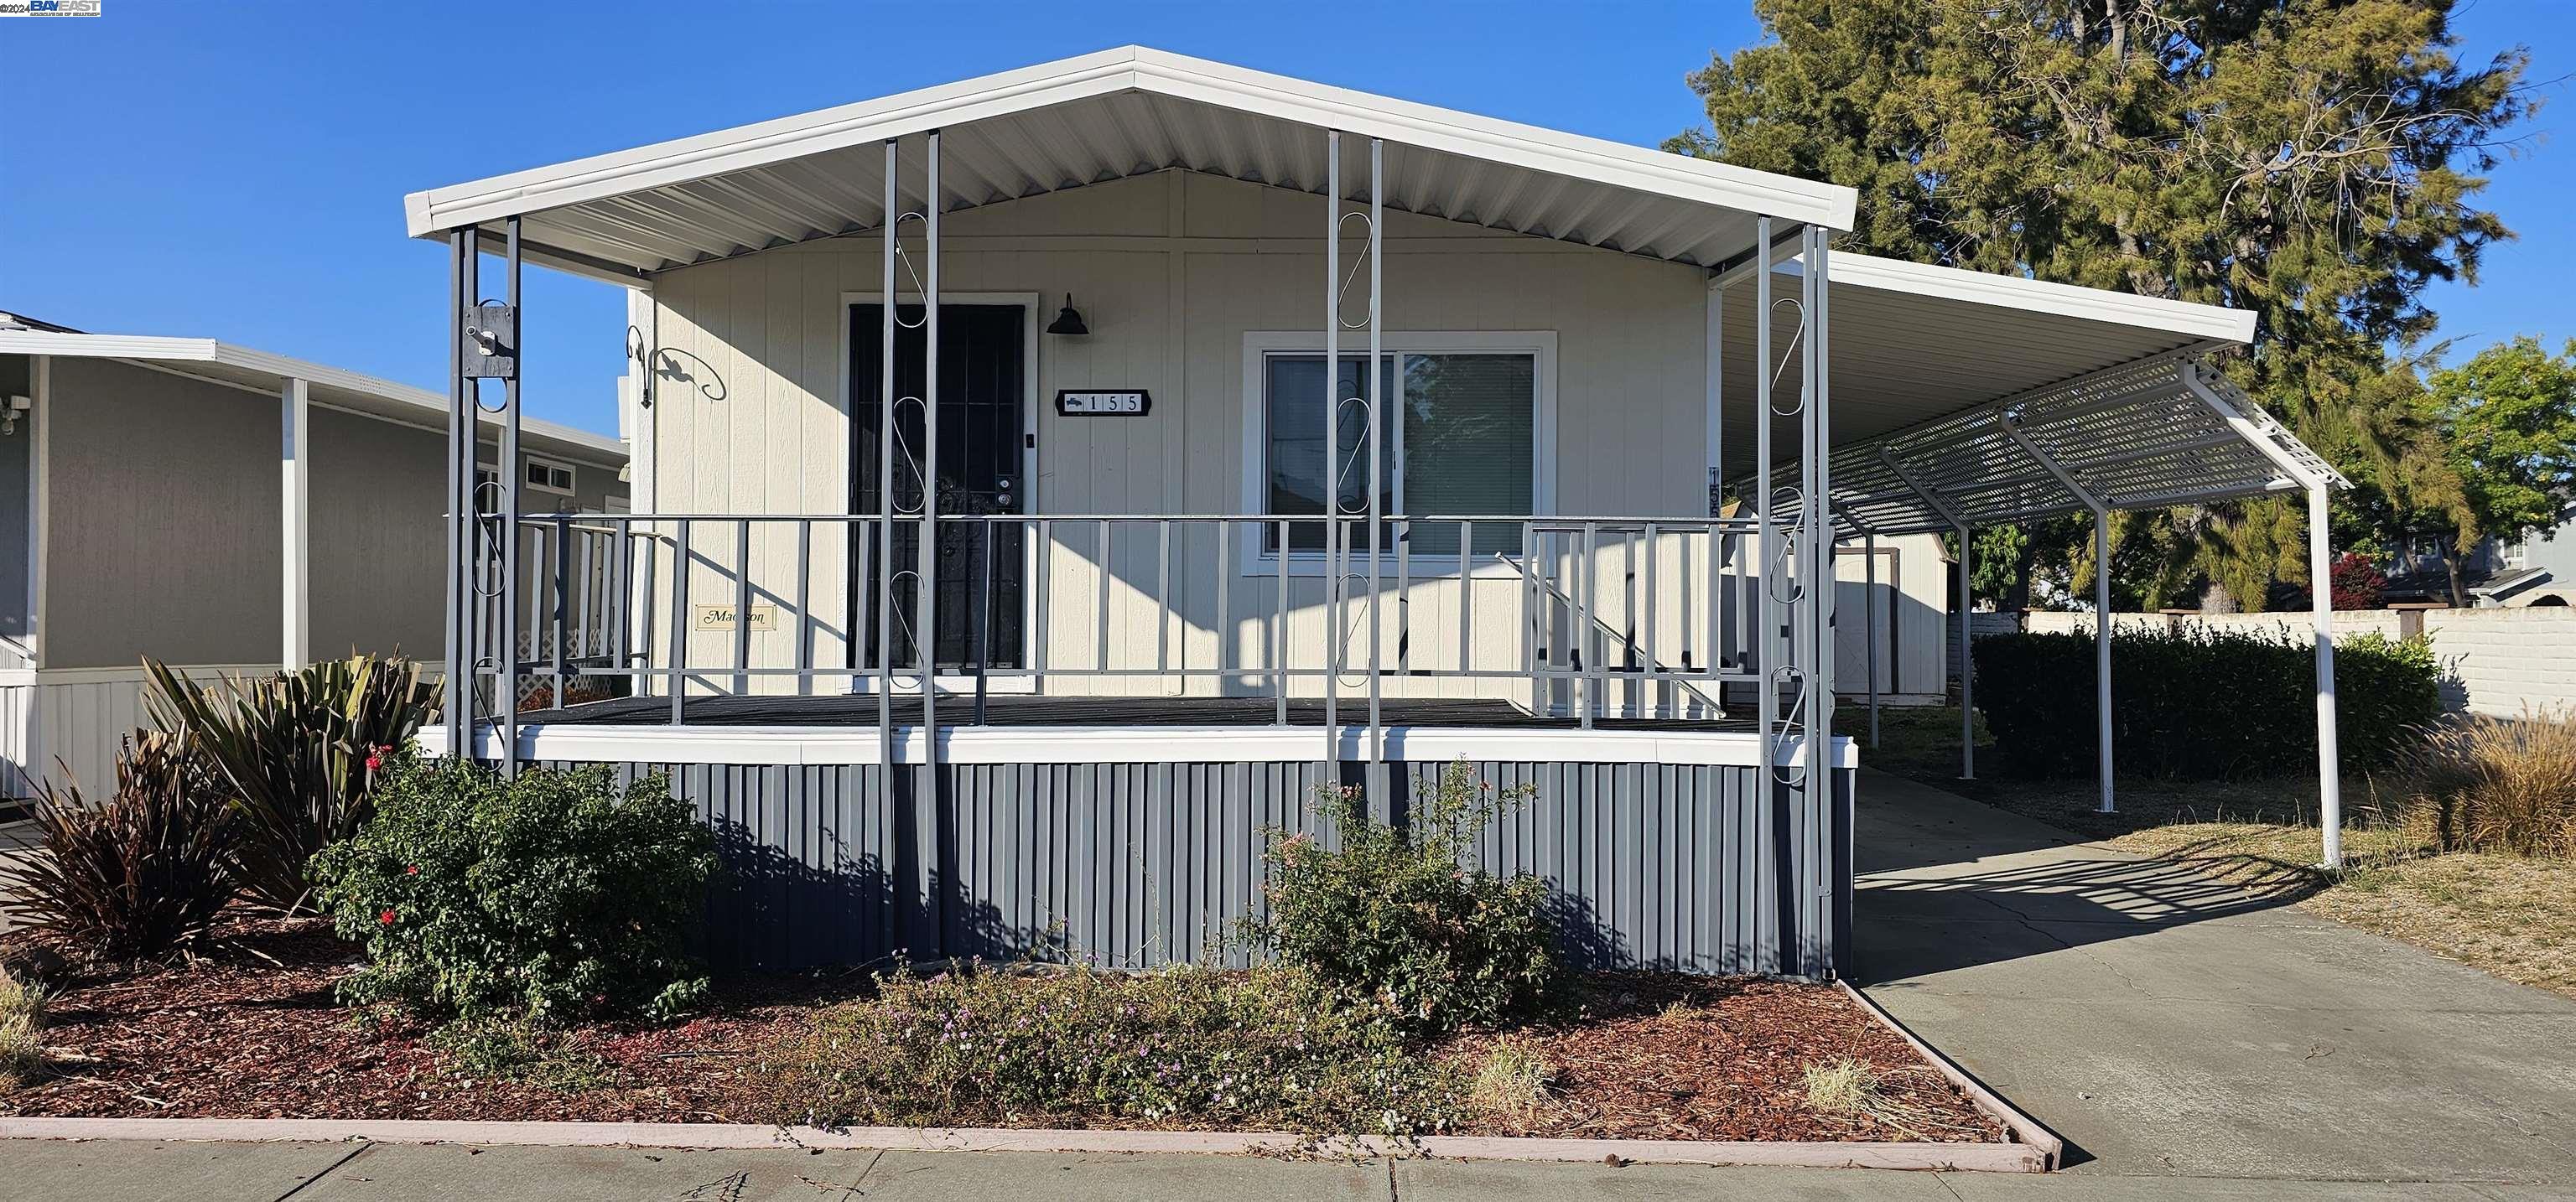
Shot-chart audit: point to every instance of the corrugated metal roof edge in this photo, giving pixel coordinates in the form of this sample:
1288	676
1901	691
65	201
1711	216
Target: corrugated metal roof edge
456	206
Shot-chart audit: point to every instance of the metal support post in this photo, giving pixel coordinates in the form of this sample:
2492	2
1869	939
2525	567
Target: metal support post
1376	472
883	586
1767	604
1869	623
2100	507
2321	611
925	616
1967	660
458	686
505	694
2321	601
1332	443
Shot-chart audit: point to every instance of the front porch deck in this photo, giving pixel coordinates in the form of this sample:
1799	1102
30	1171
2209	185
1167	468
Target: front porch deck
860	709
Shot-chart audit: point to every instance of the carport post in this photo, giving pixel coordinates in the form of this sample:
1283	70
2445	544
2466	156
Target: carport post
2321	607
2102	648
2101	594
2317	478
1967	664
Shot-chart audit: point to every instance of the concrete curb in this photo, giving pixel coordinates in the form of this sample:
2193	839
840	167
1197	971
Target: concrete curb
2026	1131
2007	1158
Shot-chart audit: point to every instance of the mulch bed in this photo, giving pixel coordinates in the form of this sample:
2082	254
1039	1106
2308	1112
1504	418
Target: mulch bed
1663	1056
251	1029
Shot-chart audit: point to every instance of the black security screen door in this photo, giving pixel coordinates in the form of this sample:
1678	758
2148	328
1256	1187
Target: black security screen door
982	379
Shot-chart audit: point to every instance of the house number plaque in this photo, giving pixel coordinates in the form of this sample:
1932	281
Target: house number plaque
1133	403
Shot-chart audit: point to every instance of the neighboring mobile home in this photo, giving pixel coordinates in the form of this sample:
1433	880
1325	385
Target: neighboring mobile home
219	509
1168	575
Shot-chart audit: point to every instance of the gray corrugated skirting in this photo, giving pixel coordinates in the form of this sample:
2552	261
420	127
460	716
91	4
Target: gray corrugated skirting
1681	867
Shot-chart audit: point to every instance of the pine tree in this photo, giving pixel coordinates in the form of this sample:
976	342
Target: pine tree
2314	161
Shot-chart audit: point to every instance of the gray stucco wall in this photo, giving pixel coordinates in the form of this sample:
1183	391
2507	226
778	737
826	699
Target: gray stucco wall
1694	868
379	557
165	525
161	508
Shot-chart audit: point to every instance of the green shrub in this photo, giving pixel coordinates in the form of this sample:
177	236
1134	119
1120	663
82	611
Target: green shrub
2201	703
1273	1047
137	875
2494	785
294	750
1394	920
547	896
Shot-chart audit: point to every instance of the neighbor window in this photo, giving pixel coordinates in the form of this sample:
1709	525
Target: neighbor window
546	475
1458	437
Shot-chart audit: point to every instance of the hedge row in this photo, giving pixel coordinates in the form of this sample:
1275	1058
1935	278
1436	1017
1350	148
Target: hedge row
2200	704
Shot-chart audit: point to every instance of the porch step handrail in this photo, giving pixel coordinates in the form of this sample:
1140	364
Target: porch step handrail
1655	669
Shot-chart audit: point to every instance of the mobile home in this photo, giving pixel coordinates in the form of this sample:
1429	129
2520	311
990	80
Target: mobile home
1275	436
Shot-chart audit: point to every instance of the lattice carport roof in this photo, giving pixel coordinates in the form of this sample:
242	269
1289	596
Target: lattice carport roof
2166	431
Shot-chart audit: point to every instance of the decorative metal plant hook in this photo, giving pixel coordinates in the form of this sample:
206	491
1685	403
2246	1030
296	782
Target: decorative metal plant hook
1798	402
1342	296
905	257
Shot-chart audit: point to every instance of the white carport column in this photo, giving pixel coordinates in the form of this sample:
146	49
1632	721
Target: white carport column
2321	607
2101	598
2320	602
295	477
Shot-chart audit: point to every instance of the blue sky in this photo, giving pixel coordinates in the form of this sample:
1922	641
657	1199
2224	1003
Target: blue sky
236	171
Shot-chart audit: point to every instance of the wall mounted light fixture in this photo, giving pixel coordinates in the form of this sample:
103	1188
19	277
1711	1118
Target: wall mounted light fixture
1068	321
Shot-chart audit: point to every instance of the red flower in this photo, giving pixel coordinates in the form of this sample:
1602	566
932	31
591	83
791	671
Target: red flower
375	759
387	918
413	870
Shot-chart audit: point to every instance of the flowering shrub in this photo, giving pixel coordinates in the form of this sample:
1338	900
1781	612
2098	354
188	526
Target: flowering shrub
296	751
2356	583
552	894
1393	919
1272	1047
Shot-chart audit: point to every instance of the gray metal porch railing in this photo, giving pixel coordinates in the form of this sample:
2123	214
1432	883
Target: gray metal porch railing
1630	617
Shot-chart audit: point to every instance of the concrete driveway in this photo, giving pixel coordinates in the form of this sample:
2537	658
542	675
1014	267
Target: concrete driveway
2168	1025
2189	1040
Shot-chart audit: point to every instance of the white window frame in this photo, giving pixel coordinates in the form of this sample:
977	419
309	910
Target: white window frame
572	475
1259	345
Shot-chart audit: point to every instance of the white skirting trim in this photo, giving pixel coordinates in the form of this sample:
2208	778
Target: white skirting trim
835	745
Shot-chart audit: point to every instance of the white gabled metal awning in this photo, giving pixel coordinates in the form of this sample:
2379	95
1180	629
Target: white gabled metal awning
1100	117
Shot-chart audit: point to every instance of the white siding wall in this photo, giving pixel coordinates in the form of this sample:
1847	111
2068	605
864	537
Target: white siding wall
1171	272
67	725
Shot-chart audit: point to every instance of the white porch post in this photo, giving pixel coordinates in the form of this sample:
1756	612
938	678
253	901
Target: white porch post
295	476
2321	605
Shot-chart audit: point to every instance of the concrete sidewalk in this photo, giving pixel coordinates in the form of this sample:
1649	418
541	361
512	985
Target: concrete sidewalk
2190	1040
